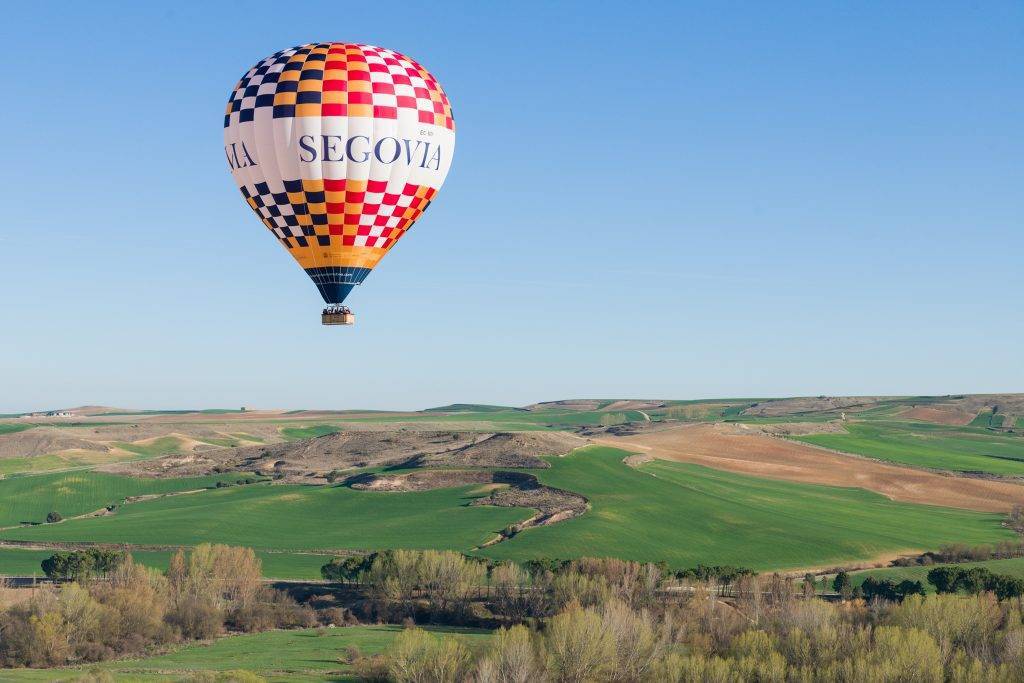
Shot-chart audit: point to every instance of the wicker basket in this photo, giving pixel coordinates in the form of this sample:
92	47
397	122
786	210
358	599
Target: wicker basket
338	319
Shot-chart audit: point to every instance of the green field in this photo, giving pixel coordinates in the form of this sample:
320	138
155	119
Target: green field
159	446
25	562
684	514
469	408
983	419
29	499
688	514
296	433
300	655
11	428
1013	566
44	463
293	517
68	460
960	449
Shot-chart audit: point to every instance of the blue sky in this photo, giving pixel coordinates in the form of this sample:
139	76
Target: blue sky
672	200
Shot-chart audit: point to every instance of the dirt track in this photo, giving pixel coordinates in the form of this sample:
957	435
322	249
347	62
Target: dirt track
736	448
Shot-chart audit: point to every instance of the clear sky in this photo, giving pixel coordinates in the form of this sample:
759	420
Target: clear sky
672	200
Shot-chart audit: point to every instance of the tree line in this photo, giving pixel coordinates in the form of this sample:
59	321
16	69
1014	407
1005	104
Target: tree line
608	620
110	606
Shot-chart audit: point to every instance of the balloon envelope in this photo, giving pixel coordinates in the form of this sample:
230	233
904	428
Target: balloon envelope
338	148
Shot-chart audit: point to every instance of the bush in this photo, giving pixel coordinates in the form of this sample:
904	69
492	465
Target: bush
975	580
271	609
514	655
347	568
843	585
579	646
419	656
196	618
53	517
887	589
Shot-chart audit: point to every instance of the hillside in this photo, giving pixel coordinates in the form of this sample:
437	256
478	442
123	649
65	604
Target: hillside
312	460
312	481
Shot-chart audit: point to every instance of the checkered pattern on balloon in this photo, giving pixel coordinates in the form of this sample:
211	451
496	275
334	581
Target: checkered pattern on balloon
338	149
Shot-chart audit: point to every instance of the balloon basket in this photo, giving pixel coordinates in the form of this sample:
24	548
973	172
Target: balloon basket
342	317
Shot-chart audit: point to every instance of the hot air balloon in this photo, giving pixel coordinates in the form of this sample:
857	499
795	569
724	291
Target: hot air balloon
338	148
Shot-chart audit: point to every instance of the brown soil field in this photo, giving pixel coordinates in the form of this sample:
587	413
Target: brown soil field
311	460
931	411
586	404
742	449
808	404
43	440
633	405
801	428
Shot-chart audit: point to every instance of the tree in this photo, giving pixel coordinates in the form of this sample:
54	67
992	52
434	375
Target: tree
974	580
53	517
514	657
105	561
873	588
346	568
580	647
945	579
67	566
887	589
907	588
1006	587
419	656
843	585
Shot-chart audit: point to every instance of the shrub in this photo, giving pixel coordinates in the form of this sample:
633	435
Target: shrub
53	517
637	643
419	656
80	565
516	594
67	566
887	589
271	609
514	657
196	618
579	646
843	585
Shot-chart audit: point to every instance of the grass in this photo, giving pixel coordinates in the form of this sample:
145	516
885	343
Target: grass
248	437
162	445
468	408
684	514
1013	566
983	419
688	514
67	460
296	433
937	446
25	561
28	499
292	517
299	655
8	428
